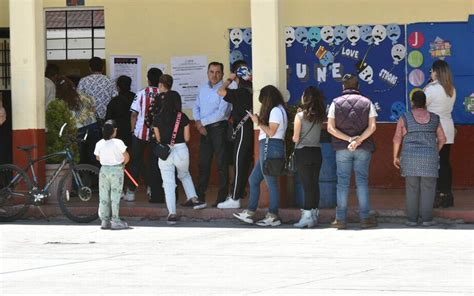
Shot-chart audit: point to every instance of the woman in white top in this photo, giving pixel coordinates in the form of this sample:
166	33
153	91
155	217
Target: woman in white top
272	121
440	98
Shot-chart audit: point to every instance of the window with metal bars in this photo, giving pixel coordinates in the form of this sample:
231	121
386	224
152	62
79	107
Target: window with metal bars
75	34
5	73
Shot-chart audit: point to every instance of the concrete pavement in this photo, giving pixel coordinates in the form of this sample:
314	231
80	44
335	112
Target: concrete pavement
226	257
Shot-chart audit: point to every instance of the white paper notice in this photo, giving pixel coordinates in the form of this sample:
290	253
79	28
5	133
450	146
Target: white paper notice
188	74
127	65
162	67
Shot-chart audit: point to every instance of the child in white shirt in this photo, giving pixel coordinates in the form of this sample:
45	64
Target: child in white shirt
113	156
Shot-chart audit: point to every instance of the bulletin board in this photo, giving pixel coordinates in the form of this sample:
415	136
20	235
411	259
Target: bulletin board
240	45
320	56
452	42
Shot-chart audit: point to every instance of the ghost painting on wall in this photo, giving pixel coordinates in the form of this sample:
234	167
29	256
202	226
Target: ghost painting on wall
248	36
236	37
378	34
339	34
236	55
314	36
393	32
366	34
301	35
289	36
327	34
366	73
397	109
398	53
353	34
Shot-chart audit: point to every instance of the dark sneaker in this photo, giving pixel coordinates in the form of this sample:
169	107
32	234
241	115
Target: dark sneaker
368	223
172	219
195	203
339	224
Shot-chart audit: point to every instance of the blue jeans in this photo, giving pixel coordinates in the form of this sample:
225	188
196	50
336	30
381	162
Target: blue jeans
276	149
360	161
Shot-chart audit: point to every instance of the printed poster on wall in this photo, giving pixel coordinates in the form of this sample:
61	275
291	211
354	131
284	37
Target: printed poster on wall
189	72
240	46
321	55
130	66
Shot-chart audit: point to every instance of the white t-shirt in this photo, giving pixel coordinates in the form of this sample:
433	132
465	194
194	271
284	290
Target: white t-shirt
277	115
438	102
110	152
332	111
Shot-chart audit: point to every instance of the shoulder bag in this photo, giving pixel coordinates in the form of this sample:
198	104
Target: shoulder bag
162	150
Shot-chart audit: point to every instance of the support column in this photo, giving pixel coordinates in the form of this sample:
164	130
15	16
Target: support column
269	64
27	68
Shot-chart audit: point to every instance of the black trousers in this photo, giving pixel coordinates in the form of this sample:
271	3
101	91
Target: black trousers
242	158
445	179
308	164
152	172
214	142
86	148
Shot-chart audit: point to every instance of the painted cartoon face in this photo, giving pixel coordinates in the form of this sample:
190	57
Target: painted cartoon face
236	37
398	53
379	33
353	34
397	109
301	35
327	34
248	36
327	59
339	34
314	36
393	32
289	36
366	34
366	73
236	55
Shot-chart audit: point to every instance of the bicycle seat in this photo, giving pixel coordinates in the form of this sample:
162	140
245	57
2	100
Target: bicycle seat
26	148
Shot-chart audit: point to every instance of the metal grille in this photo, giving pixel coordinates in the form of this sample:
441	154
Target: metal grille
5	73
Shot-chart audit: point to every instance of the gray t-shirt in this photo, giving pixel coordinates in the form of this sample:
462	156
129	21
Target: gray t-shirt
311	138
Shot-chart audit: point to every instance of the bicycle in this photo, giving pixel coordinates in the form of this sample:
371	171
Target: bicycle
77	193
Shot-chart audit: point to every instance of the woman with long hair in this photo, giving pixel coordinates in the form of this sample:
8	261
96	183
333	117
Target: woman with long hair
306	135
82	108
272	121
164	124
242	132
440	98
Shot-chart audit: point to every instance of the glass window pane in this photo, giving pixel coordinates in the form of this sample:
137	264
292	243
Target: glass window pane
55	55
78	33
79	18
99	33
55	19
55	33
79	43
99	18
79	54
56	44
99	43
99	53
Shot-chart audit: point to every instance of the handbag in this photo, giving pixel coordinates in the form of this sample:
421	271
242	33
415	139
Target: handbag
163	151
291	166
273	166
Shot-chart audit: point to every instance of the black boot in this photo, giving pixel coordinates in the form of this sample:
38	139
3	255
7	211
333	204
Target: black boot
447	200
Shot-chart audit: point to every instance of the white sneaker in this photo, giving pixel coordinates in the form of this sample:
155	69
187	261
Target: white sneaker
245	216
105	224
428	223
315	215
306	219
130	196
411	224
122	195
118	225
148	191
229	203
269	220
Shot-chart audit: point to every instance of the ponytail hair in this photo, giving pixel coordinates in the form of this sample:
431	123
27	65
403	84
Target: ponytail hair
108	129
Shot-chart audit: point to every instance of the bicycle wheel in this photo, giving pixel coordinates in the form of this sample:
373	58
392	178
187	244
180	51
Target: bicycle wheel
15	186
78	193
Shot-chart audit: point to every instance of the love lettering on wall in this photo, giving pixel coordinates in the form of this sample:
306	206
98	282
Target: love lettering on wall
320	56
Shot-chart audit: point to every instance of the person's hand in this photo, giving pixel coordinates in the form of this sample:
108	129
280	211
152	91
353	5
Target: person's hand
254	118
202	130
232	76
3	115
396	162
353	145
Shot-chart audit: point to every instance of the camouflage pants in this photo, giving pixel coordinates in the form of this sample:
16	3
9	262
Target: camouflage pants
110	189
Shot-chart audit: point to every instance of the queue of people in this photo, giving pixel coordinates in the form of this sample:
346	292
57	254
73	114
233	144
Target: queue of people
223	112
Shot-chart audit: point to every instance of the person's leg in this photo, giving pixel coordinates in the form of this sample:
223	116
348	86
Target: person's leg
305	172
205	160
104	194
167	169
256	177
412	187
445	173
136	160
181	161
344	161
155	180
361	169
116	184
219	142
276	149
427	194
